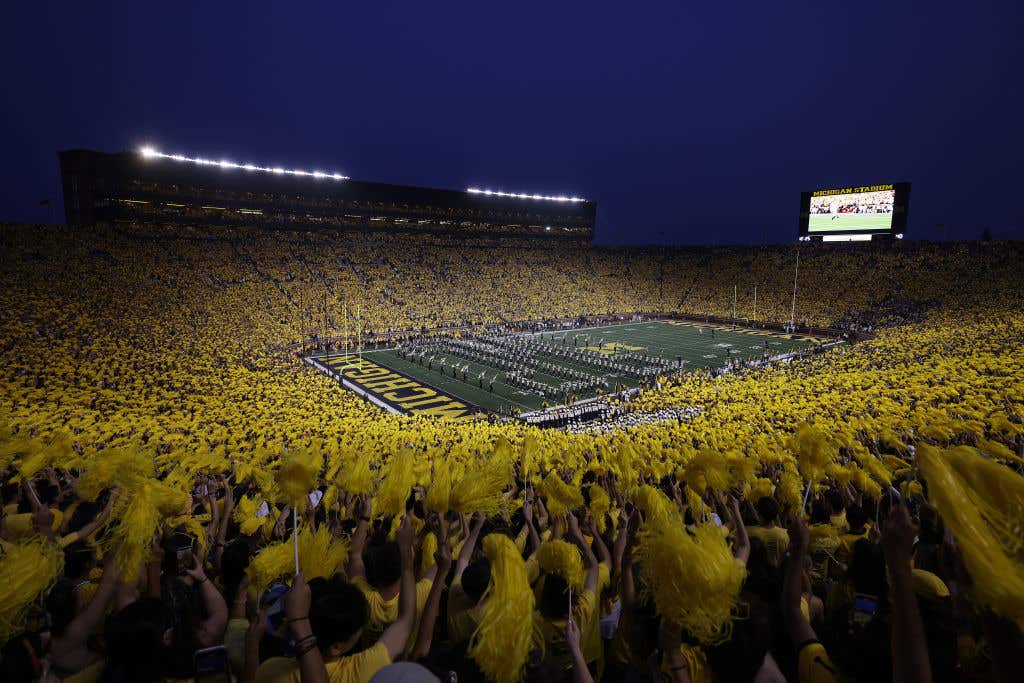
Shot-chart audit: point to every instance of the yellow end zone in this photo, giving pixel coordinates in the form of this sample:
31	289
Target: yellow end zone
397	390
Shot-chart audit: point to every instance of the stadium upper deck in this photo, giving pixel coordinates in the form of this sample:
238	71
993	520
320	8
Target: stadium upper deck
152	186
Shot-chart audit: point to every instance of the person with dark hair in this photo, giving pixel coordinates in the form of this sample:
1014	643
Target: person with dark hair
70	625
333	624
137	640
813	663
774	537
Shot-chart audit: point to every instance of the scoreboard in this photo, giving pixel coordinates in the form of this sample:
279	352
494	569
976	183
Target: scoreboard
857	210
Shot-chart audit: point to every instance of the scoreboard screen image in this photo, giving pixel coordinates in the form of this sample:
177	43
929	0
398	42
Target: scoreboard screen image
873	209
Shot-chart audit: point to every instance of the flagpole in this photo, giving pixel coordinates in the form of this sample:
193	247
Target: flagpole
792	310
734	288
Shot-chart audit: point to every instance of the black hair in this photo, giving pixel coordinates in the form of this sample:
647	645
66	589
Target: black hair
741	657
767	509
10	492
475	579
83	514
819	513
383	564
554	598
339	611
79	558
835	500
867	568
856	517
233	562
135	643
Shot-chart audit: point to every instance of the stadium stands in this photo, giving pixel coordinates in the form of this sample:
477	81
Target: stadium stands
152	413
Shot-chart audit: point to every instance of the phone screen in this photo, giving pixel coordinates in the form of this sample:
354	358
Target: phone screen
185	559
211	664
865	604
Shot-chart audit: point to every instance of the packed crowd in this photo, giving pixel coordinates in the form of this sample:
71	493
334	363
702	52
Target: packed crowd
853	515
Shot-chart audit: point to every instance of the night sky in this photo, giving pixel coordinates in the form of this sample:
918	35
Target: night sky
690	123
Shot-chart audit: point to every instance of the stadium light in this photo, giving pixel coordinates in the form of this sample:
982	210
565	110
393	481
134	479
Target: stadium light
148	152
522	195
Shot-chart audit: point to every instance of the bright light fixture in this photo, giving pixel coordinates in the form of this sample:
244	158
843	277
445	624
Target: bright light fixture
151	153
520	195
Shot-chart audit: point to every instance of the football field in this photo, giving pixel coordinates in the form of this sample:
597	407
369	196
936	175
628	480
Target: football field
827	222
529	371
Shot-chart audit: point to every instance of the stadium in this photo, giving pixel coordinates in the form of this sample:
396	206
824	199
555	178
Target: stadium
397	344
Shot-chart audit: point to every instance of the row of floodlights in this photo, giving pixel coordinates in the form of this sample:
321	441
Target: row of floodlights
151	153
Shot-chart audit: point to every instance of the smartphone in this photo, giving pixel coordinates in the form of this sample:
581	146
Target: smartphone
211	665
864	608
185	559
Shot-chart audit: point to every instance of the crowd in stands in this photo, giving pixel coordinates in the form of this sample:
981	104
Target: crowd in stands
854	515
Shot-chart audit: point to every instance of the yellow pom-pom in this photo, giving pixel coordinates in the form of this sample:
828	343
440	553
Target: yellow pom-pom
320	557
481	487
26	570
813	452
297	476
707	470
503	639
561	498
600	504
397	484
439	494
693	579
356	478
990	553
761	488
562	558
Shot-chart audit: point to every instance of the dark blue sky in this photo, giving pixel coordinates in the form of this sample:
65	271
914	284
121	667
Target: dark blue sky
702	120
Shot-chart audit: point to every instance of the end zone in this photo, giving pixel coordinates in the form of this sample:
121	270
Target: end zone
395	392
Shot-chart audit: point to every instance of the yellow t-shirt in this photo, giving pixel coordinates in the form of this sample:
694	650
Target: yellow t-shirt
461	622
383	612
775	539
814	665
357	668
552	632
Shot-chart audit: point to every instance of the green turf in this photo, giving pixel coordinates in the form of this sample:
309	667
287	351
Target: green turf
665	339
827	222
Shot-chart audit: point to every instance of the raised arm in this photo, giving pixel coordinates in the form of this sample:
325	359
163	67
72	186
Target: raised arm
466	553
589	559
85	623
211	630
603	555
397	634
425	635
797	626
296	610
355	554
528	521
742	540
908	637
580	672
